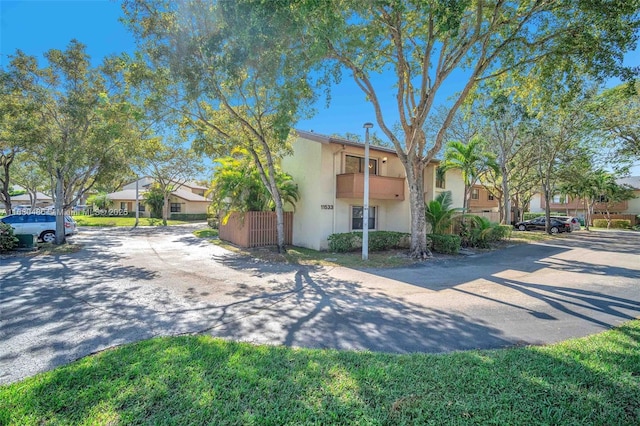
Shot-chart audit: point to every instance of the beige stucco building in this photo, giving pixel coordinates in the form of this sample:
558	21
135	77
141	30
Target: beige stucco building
329	173
188	198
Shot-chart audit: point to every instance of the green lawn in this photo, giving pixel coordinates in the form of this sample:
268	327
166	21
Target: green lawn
121	221
201	380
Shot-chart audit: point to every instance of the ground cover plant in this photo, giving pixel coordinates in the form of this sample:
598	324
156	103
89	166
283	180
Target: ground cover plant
203	380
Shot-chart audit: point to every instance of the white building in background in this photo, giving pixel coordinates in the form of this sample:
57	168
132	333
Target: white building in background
329	172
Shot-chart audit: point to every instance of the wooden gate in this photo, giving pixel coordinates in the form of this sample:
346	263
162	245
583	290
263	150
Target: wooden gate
255	229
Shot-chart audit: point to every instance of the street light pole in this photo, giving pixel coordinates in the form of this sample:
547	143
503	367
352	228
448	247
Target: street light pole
365	207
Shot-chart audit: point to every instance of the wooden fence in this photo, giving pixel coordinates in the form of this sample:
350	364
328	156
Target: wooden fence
255	229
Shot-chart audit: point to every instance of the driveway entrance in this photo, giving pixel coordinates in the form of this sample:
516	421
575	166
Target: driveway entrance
126	286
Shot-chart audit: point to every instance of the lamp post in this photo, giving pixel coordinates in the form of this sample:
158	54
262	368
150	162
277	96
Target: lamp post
365	206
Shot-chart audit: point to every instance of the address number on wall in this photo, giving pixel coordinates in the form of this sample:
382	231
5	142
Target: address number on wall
326	206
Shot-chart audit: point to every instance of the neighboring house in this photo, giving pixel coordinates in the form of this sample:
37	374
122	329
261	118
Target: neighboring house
187	199
571	207
42	200
482	201
329	172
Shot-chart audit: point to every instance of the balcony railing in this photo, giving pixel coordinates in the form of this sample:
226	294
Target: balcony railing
351	185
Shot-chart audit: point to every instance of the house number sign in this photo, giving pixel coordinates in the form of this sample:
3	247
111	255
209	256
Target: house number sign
326	206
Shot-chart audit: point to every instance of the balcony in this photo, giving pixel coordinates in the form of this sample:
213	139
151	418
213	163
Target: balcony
351	185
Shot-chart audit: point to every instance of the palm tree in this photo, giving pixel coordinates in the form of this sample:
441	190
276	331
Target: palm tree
154	198
439	213
471	160
237	187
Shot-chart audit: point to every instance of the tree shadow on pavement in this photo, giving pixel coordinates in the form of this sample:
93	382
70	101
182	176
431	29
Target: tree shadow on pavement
327	313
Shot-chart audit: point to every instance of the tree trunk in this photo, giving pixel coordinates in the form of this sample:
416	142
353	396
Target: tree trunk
465	201
269	182
165	209
415	179
547	209
59	210
4	191
506	198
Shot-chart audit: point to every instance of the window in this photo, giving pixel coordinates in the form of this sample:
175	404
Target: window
475	194
357	217
19	218
140	207
175	207
490	197
559	199
355	164
440	180
123	205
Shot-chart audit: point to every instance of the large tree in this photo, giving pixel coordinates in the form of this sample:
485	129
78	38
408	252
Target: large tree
503	126
171	165
232	75
27	173
557	140
425	45
20	127
616	112
86	120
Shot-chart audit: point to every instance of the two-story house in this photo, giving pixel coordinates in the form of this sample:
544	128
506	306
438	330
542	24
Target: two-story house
576	207
329	172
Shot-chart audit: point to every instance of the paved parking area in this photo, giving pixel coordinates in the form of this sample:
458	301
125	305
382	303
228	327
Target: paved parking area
127	285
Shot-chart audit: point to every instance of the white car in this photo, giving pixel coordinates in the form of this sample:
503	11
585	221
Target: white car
41	225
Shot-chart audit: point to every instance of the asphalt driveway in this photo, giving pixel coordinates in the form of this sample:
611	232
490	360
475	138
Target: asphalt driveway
127	285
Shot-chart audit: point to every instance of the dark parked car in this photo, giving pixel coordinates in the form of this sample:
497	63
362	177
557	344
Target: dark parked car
575	223
539	223
41	225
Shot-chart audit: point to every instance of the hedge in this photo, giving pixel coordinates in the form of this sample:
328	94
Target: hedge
447	244
378	241
615	223
188	216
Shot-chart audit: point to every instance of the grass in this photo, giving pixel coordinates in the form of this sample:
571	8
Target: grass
206	233
203	380
121	221
527	236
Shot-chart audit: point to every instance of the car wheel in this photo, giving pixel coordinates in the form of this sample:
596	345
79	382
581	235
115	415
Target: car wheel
554	230
522	228
48	236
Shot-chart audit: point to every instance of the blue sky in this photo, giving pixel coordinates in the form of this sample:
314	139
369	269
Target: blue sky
36	26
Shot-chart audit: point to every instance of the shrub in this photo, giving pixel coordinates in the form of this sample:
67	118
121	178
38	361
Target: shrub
447	244
615	223
188	216
378	241
7	240
344	242
480	232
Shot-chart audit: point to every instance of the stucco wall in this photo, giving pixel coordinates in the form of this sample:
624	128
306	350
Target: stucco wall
453	182
319	213
311	220
634	204
535	206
